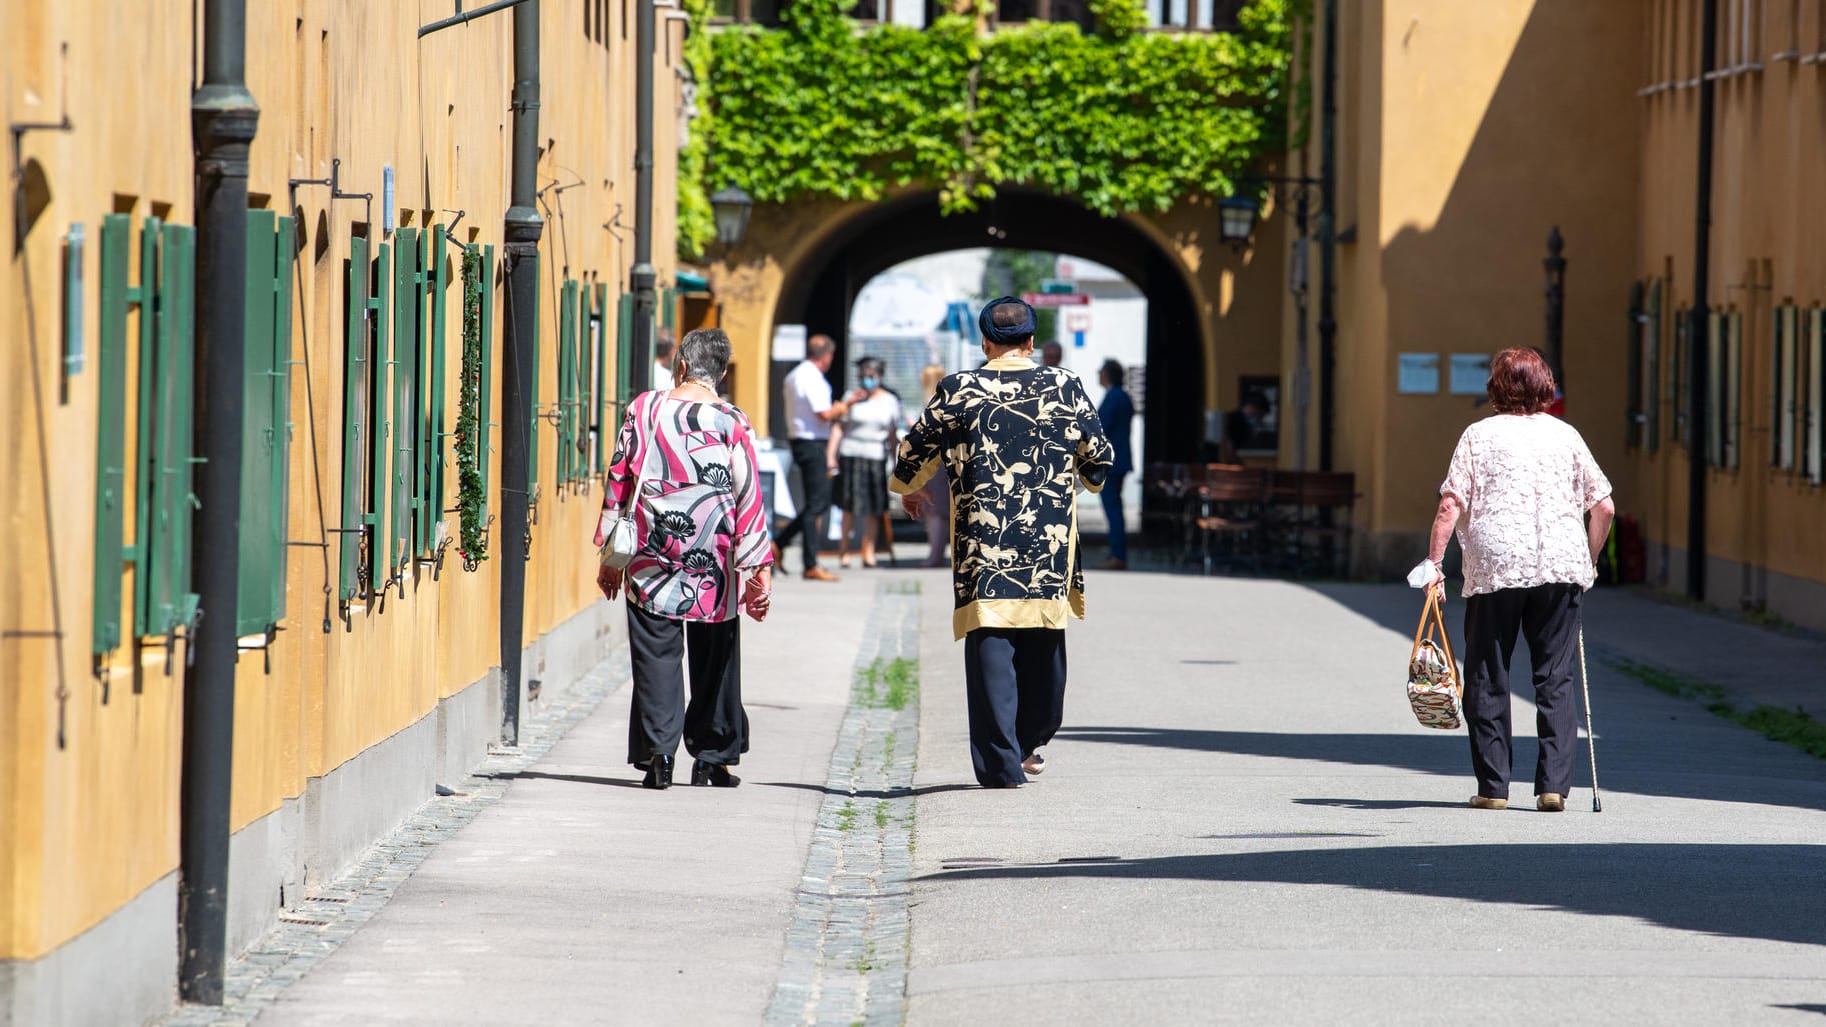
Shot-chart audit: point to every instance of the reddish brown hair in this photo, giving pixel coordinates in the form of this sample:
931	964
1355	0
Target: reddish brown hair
1520	382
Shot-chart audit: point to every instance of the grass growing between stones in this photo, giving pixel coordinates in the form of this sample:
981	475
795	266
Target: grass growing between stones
888	684
1789	727
846	817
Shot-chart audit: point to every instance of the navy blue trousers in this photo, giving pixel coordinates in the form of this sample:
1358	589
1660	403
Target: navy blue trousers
1014	682
1547	617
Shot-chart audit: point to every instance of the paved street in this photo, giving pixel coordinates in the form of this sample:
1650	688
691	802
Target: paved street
1240	822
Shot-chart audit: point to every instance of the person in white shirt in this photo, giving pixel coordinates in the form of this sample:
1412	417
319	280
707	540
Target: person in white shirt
858	455
809	413
1518	493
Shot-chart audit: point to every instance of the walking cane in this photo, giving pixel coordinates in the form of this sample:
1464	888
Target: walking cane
1597	806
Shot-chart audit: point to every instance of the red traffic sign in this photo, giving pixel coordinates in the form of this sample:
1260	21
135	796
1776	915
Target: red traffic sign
1055	299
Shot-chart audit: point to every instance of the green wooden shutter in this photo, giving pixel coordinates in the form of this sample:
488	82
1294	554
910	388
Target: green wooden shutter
380	435
439	280
111	436
260	442
624	356
170	602
1651	371
263	433
599	395
406	345
1632	414
532	394
144	446
567	381
356	420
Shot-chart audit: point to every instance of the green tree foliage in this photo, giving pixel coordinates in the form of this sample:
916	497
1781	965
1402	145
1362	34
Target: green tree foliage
696	221
1120	120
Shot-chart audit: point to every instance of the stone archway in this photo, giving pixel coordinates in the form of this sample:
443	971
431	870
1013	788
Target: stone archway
1213	313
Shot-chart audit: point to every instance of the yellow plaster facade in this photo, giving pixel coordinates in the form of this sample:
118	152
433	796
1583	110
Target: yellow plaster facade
92	822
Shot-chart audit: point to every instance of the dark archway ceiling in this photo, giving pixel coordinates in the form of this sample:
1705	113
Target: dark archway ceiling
912	226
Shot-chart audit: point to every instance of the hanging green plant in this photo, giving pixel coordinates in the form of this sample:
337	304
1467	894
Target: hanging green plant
472	542
1120	120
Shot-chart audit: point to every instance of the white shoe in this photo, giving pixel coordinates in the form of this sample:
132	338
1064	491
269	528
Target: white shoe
1034	765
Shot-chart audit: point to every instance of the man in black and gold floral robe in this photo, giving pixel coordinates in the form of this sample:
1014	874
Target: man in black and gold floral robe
1017	441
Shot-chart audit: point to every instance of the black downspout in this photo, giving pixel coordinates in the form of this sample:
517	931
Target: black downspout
1697	368
223	118
1328	241
642	278
524	227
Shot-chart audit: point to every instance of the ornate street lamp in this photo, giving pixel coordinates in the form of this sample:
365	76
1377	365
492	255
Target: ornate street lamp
1236	219
731	207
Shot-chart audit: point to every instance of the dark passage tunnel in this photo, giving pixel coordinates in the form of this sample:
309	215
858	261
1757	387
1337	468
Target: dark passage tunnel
821	294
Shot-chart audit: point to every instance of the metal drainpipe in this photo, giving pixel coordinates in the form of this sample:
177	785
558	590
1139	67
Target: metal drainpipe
524	227
1697	367
642	278
223	119
1328	242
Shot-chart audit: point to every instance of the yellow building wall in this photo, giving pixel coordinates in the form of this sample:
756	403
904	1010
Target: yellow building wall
1764	253
91	824
1468	131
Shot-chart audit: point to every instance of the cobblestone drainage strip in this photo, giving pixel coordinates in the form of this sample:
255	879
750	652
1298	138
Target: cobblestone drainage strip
846	951
308	934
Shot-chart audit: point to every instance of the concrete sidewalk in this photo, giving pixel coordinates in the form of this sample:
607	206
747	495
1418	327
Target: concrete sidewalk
1242	822
583	898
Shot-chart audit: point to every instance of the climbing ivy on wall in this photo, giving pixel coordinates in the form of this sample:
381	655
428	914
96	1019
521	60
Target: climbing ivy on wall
696	222
1120	120
471	450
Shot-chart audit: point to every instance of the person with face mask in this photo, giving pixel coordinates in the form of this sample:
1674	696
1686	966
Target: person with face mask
858	456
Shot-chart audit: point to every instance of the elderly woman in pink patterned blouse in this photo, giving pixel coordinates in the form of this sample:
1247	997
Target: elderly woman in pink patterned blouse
703	541
1518	492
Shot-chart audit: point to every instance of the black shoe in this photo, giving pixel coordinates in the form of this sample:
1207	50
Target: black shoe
659	773
714	774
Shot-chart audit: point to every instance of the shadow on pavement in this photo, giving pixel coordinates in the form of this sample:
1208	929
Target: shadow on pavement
1804	1007
1709	889
873	793
582	779
1379	804
1656	772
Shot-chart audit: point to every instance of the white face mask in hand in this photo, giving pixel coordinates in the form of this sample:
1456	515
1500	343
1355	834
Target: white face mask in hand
1424	573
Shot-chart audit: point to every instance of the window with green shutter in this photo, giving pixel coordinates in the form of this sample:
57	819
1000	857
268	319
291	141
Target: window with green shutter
162	499
408	352
1651	367
566	419
438	283
532	397
267	427
1634	417
624	356
364	437
1813	421
471	434
599	350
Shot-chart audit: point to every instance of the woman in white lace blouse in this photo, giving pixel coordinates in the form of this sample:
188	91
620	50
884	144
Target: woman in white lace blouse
1518	492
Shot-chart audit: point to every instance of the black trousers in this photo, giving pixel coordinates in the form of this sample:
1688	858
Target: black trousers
1548	619
714	725
814	516
1014	683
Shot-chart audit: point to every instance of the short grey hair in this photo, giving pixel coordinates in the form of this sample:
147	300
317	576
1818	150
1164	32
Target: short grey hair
705	352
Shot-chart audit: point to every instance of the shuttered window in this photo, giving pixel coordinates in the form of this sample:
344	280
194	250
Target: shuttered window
159	497
267	428
364	429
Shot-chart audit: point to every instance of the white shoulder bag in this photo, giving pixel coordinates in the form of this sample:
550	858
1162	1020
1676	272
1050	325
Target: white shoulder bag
616	532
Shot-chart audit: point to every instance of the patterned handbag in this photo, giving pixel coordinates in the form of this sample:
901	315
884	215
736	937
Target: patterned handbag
1434	690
